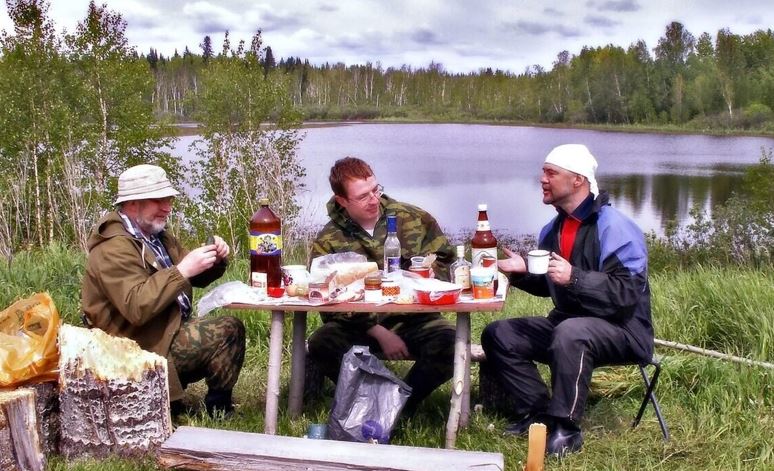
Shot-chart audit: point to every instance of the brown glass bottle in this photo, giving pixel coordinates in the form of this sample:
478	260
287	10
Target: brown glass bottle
484	244
265	249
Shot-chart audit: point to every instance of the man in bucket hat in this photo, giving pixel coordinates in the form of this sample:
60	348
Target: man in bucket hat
598	280
138	284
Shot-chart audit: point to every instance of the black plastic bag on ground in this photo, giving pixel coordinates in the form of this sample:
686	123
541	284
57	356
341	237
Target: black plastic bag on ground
368	399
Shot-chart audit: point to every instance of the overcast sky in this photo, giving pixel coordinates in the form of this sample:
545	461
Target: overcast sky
462	35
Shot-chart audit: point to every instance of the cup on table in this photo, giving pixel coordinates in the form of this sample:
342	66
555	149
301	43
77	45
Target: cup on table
296	279
317	431
482	281
537	261
418	267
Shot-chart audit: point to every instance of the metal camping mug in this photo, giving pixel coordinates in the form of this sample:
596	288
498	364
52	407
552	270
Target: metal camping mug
317	431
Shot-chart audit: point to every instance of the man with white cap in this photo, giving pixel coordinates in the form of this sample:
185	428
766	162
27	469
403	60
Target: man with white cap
598	280
138	284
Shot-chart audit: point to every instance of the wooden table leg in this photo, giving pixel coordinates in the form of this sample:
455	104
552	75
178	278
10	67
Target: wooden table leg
273	380
461	352
298	365
465	406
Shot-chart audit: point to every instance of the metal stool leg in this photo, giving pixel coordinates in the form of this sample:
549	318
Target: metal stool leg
650	385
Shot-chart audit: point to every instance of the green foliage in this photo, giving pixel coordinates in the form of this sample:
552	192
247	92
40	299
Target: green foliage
739	232
73	118
249	130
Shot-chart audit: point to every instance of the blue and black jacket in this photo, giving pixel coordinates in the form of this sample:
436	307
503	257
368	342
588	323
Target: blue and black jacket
609	276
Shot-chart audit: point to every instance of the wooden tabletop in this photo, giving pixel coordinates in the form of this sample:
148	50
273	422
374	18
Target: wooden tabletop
496	304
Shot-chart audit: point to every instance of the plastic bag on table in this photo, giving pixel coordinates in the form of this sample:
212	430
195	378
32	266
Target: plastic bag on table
225	294
28	348
348	266
368	399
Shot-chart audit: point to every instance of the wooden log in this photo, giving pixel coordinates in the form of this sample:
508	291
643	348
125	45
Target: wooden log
297	368
461	349
208	449
19	441
114	396
273	375
47	411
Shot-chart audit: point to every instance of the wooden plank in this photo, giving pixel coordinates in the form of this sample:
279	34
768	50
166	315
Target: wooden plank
483	306
208	449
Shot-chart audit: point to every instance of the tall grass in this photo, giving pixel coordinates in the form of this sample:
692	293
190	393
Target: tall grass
721	414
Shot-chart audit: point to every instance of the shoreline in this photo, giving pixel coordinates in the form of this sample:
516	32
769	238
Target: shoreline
192	129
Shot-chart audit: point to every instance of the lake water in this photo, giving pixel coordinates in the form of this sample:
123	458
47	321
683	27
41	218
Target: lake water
448	169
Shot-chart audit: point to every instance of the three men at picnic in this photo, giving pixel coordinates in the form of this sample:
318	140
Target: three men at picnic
138	284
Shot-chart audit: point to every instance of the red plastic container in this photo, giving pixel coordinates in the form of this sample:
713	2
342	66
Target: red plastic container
436	298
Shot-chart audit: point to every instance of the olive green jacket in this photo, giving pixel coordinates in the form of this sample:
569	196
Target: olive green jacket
418	232
127	294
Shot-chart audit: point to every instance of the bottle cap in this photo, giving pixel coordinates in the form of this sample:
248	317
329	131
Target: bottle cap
263	201
392	223
460	251
482	206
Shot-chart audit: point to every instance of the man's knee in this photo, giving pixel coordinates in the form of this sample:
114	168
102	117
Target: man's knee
234	328
571	334
491	339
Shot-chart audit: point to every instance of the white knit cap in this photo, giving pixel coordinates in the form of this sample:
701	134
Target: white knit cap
144	182
575	158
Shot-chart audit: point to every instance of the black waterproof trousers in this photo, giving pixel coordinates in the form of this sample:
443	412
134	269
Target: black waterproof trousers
572	349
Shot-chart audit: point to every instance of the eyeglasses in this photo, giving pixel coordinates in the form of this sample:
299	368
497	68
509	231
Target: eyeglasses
364	198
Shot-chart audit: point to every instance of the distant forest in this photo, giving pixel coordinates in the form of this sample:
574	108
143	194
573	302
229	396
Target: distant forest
725	81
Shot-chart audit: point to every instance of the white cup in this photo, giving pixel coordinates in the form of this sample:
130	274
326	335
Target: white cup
537	261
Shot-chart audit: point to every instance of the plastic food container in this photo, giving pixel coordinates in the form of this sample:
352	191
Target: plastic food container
437	298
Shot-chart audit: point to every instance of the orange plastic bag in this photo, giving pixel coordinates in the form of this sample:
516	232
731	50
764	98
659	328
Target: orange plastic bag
28	334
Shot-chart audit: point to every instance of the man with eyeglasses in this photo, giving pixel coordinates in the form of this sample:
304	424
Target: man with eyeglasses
358	223
139	284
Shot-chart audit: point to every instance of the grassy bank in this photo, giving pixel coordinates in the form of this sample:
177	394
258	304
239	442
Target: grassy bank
721	414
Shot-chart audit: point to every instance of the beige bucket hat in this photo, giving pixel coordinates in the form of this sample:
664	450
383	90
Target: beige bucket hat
143	182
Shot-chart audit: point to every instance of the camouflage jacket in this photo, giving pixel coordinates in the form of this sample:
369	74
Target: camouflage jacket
418	232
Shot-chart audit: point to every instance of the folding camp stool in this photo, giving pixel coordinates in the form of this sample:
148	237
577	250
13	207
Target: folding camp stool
650	385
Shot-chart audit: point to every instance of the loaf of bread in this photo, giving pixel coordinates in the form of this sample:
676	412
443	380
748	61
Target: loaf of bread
348	272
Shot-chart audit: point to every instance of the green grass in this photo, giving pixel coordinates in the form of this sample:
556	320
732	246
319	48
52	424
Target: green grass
720	414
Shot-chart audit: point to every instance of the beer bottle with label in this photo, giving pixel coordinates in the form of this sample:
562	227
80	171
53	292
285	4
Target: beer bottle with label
265	250
484	244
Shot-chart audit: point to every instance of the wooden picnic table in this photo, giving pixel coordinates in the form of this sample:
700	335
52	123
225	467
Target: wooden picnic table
460	398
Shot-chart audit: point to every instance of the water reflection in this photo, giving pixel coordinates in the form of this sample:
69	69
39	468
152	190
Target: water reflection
449	168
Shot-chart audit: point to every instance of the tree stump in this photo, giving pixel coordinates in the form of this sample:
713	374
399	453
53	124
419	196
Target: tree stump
19	442
47	410
114	396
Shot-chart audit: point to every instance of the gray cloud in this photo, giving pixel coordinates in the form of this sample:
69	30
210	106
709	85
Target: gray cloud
276	21
210	25
369	42
538	29
600	21
426	36
328	7
552	12
619	5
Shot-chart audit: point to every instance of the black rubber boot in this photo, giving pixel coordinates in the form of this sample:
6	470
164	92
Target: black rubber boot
565	438
218	403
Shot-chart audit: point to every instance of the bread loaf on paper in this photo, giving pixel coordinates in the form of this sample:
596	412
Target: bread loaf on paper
347	273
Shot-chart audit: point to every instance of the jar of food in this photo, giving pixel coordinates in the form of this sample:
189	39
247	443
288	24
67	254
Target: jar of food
373	288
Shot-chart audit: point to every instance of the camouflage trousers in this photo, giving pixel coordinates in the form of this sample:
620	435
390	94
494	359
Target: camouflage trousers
428	337
211	348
